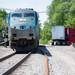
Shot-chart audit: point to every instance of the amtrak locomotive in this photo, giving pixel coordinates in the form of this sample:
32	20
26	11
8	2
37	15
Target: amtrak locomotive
23	28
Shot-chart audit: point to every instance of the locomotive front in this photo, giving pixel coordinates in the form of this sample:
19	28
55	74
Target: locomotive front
24	28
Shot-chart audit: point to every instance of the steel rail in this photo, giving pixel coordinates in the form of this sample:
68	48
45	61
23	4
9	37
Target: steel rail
9	71
6	57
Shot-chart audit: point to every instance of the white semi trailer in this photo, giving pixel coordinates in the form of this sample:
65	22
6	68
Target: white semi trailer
58	35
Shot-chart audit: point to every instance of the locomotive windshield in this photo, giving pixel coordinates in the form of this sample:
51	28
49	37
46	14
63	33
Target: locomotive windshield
32	17
16	15
29	15
24	20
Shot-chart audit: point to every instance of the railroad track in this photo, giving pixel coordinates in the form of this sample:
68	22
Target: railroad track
12	62
33	66
8	65
6	57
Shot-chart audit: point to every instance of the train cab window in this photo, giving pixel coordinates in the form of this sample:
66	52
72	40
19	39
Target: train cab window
28	14
16	15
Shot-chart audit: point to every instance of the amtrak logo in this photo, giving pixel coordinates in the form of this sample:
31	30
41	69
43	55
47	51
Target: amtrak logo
22	20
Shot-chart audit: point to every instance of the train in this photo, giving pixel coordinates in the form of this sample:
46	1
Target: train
23	28
63	35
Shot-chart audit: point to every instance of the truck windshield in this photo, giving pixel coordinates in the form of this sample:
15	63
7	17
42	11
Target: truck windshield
28	14
16	15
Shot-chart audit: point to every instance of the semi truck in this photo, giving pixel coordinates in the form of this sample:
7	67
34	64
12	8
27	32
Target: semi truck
62	35
58	35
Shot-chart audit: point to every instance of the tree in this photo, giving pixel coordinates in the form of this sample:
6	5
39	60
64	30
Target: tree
45	33
61	12
2	16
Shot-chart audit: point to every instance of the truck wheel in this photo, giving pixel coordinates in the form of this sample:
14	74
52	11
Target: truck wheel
64	43
52	43
56	43
61	43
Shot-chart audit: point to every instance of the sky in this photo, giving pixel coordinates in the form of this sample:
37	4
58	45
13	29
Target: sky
38	5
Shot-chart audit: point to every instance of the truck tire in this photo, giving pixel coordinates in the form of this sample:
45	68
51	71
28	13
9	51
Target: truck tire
56	43
52	43
61	43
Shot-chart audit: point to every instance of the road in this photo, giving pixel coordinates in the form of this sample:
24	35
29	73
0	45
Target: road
62	60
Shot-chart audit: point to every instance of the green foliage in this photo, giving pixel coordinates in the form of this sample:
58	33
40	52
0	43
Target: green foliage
2	16
60	12
45	33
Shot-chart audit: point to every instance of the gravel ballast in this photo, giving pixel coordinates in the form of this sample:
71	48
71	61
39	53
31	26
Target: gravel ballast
62	61
34	65
5	51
